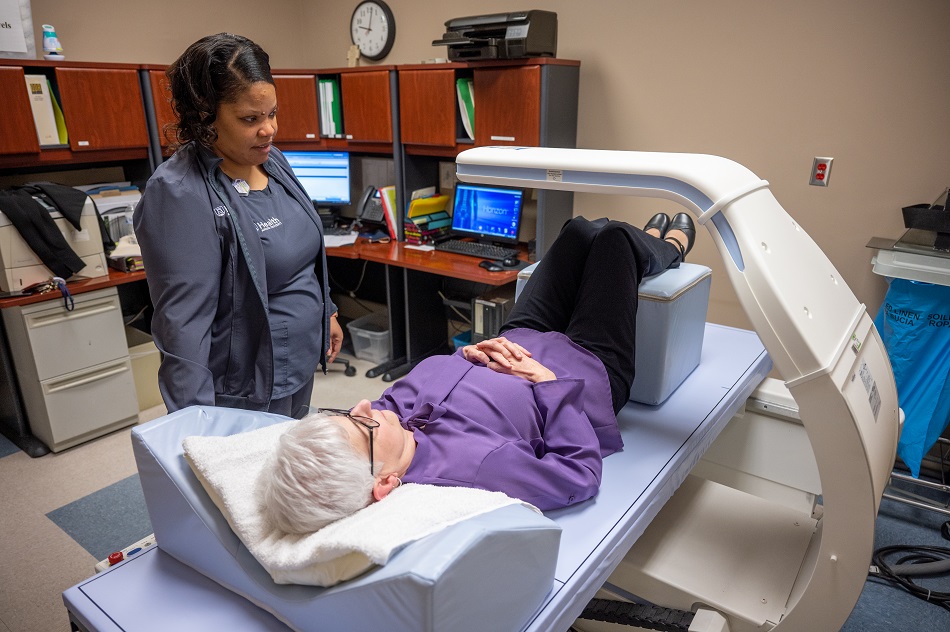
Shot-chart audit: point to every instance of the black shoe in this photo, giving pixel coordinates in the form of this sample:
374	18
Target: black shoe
660	221
682	222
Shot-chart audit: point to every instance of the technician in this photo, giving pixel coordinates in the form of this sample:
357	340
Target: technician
232	245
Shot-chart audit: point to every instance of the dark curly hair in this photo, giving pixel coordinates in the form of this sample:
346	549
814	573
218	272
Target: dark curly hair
212	71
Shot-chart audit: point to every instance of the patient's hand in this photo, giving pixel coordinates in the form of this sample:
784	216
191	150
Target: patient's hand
528	368
508	357
500	350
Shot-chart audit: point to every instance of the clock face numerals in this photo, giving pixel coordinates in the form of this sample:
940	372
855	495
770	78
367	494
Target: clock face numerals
372	29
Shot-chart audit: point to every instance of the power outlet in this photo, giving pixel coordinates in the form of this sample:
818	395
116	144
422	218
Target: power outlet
820	172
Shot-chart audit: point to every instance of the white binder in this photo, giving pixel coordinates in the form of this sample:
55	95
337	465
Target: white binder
42	103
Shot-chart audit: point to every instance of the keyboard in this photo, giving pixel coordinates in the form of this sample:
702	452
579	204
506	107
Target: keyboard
337	230
476	249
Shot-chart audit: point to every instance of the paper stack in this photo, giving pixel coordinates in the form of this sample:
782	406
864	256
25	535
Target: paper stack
424	229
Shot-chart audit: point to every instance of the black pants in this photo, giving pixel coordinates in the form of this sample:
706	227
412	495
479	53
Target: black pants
586	288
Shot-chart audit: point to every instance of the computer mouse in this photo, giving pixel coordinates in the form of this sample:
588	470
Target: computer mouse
510	262
491	266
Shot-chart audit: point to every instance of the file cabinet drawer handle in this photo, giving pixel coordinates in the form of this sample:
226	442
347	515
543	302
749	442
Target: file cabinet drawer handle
80	312
98	375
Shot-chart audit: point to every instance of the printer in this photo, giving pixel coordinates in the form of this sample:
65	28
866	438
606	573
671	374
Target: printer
501	36
22	267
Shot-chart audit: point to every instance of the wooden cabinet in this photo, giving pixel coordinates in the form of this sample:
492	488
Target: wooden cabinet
531	102
297	114
17	131
515	104
367	106
427	110
101	104
165	118
298	120
103	108
498	120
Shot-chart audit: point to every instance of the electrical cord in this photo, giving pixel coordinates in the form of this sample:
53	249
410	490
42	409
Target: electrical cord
914	561
359	284
352	293
136	316
462	317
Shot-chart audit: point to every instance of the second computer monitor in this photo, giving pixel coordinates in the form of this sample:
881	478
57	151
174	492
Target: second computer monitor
325	175
487	213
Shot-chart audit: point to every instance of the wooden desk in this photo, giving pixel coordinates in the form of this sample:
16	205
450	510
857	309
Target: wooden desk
114	278
416	314
417	322
447	264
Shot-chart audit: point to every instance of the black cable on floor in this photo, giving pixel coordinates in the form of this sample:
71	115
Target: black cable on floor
900	571
639	615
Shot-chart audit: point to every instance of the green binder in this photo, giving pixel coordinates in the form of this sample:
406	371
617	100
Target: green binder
331	117
466	94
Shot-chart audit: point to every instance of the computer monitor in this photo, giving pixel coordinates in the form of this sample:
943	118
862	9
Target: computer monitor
325	175
487	213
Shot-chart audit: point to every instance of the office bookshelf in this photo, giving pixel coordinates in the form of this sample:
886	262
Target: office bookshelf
529	102
103	109
119	114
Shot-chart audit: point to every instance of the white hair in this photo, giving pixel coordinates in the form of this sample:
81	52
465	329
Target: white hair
318	477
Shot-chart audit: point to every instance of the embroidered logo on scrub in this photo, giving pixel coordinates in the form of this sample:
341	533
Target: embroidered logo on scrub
267	225
220	211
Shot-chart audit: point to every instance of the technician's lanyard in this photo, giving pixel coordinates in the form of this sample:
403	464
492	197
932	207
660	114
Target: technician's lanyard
58	283
68	301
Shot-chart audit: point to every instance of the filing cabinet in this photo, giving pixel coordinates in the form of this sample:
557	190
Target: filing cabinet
73	367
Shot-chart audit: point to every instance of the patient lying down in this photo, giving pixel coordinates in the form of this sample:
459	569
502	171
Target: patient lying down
530	413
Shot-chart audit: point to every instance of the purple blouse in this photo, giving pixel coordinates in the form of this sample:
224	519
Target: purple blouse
542	443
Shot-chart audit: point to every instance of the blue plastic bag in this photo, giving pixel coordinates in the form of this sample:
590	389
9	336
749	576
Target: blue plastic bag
914	322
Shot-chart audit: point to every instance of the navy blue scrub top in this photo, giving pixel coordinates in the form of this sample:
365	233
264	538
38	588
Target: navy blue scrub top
291	244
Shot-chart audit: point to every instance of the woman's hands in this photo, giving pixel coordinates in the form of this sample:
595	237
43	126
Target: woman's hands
336	339
500	350
504	356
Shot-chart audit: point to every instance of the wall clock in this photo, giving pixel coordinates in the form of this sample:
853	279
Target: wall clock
373	29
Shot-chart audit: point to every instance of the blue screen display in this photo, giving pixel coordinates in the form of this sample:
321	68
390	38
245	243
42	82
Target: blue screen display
325	175
489	213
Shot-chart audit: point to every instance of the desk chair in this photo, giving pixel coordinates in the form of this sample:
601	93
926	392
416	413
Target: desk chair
348	369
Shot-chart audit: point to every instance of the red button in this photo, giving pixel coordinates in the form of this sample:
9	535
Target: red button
115	558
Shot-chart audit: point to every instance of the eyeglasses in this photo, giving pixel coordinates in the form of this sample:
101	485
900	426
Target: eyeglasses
366	422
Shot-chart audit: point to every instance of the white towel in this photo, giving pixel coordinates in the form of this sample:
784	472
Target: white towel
230	469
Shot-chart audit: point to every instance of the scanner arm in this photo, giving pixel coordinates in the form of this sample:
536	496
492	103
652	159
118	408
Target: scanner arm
820	337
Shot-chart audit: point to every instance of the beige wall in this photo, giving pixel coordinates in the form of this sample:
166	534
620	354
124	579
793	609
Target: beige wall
768	84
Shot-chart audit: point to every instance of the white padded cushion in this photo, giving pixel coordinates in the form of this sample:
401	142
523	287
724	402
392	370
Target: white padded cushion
231	468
